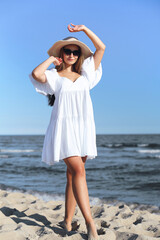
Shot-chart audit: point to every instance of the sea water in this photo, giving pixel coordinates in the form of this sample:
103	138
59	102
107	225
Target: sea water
126	169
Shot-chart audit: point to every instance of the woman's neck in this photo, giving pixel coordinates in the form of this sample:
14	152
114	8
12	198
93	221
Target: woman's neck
68	68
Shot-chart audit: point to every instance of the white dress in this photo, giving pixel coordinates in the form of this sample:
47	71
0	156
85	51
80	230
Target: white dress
71	130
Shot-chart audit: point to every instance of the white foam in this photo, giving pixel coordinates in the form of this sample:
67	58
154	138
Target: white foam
56	197
53	197
43	196
118	144
142	145
47	197
94	201
3	156
149	151
16	150
110	145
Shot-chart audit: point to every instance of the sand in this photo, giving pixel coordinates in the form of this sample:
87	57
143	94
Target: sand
26	217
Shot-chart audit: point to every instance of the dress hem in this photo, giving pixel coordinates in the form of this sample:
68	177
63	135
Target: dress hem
57	161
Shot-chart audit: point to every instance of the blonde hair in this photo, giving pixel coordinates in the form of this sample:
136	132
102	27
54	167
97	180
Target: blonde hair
76	68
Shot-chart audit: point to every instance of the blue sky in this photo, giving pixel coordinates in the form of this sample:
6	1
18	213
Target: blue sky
127	98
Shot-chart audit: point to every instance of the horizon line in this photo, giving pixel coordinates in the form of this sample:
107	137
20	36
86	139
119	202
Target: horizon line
41	134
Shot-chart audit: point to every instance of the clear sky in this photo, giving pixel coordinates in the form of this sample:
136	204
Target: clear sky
126	100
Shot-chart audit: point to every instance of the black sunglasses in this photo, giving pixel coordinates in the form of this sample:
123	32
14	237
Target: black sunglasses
68	52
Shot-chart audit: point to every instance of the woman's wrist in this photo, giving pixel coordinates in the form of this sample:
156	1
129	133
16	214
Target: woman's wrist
84	28
51	57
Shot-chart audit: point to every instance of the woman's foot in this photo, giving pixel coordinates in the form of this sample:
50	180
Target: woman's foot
91	231
66	225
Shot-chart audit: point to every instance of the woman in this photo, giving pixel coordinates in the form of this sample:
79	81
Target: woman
71	133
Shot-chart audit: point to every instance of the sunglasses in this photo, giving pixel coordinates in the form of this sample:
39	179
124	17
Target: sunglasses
68	52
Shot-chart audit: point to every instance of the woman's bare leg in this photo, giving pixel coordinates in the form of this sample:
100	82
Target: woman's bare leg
70	201
76	166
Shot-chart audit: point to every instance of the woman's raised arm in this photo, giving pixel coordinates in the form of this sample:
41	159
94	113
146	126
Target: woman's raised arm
38	72
99	45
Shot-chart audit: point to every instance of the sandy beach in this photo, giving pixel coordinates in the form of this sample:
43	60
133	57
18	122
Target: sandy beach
26	217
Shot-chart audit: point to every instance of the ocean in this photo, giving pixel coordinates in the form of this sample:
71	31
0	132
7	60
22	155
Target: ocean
127	169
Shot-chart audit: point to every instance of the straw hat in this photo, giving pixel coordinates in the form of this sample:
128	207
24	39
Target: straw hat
55	49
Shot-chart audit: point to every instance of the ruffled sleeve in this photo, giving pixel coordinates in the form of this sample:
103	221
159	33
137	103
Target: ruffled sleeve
50	86
88	70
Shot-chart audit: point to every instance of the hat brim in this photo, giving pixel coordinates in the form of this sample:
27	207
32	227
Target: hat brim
55	49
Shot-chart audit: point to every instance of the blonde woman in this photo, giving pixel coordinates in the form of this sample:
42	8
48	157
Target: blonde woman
71	134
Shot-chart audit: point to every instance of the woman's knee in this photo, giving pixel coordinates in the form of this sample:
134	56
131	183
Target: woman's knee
79	170
75	166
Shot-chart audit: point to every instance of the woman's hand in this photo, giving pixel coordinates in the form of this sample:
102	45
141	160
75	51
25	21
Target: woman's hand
57	60
76	28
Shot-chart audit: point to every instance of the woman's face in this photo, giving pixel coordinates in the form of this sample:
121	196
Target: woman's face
70	59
